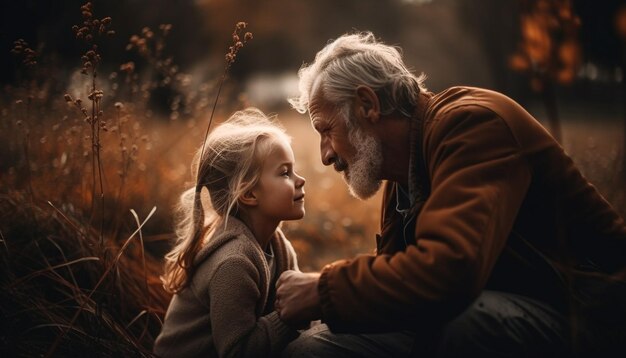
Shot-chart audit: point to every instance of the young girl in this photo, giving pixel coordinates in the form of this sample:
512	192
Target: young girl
226	260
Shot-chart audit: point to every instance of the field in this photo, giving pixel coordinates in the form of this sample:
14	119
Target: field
93	161
90	171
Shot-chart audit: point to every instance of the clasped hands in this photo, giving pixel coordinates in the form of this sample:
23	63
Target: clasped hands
297	298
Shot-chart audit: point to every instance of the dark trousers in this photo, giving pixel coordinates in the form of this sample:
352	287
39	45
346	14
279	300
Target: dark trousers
497	324
506	325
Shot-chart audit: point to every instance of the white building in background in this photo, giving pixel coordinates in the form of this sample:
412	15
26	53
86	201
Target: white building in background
264	89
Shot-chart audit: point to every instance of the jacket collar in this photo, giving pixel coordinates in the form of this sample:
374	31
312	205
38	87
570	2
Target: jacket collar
419	187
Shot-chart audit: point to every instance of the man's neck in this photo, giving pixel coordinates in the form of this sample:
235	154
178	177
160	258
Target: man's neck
395	136
395	140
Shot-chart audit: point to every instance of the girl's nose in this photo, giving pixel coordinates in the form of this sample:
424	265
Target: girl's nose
300	181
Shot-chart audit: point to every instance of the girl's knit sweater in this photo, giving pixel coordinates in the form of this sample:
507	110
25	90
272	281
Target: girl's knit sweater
228	309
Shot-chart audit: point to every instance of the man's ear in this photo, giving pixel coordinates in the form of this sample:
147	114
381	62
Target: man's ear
249	199
367	105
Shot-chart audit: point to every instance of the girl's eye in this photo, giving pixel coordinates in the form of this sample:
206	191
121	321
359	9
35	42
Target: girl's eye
285	173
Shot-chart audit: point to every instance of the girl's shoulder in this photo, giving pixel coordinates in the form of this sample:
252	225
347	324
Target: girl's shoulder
221	248
232	248
232	240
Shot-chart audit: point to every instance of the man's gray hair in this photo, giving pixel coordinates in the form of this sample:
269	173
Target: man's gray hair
359	59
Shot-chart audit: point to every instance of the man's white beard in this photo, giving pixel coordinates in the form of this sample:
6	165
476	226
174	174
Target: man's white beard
363	172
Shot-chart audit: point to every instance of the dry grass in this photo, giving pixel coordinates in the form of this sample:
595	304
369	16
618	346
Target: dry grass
64	294
78	277
75	278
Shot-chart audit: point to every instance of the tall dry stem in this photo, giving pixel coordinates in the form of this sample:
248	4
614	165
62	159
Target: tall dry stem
89	31
237	45
28	59
127	156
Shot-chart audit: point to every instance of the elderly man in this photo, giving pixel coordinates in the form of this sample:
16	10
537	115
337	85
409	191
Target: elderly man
492	242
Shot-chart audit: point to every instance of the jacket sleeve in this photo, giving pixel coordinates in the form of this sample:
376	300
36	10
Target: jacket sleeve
478	178
237	332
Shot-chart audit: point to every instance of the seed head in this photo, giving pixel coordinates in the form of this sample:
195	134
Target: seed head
27	55
165	29
237	43
127	67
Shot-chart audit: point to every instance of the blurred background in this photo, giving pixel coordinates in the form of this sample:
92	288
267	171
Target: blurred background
96	139
562	60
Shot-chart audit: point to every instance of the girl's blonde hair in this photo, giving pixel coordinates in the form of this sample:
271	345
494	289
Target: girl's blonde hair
230	166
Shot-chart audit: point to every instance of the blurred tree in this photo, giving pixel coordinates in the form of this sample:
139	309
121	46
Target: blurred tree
549	50
288	33
46	24
495	45
599	40
620	29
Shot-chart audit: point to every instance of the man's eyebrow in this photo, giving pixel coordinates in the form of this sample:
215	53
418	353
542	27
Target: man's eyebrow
316	124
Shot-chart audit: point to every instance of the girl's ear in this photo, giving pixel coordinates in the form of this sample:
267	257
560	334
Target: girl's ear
249	199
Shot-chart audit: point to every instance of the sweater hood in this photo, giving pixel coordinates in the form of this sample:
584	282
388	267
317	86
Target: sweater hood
234	228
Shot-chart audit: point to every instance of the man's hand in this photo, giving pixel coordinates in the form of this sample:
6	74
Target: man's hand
297	299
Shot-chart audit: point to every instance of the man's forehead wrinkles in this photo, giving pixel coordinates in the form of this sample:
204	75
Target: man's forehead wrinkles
313	107
315	122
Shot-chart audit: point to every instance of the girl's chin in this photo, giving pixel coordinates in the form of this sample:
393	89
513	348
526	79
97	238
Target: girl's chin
297	216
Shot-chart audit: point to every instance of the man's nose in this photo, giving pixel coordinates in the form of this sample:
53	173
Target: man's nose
327	152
